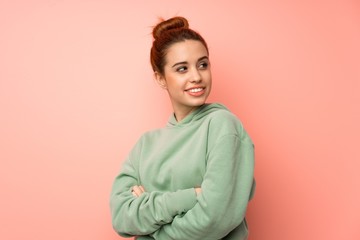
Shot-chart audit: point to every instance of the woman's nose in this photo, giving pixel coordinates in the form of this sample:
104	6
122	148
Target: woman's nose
195	77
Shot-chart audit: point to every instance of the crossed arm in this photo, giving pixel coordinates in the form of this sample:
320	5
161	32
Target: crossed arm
138	190
209	212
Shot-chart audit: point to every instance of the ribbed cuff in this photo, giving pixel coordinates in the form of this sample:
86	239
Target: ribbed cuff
181	201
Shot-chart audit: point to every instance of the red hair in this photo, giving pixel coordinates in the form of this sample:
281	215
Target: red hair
165	34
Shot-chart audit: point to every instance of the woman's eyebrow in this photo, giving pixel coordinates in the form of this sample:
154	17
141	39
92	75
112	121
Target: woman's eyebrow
179	63
203	58
185	62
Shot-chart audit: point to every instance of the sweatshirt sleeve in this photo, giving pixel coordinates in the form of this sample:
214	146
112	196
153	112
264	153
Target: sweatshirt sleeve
132	216
226	190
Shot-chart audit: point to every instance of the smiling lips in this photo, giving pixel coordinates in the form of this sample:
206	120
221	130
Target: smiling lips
197	91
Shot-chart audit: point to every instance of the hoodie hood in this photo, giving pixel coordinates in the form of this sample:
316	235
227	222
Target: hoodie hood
197	114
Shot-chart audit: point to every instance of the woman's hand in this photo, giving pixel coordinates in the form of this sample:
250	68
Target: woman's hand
198	190
137	190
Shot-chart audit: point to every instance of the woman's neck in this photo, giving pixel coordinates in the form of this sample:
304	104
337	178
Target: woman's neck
180	114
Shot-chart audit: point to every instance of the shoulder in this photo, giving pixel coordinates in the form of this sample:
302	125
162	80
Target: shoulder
224	115
223	122
223	118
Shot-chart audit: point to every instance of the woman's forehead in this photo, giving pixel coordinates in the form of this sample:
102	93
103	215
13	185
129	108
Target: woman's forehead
188	50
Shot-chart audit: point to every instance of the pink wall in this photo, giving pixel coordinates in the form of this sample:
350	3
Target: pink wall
76	91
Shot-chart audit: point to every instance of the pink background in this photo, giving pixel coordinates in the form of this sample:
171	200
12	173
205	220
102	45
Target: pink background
76	92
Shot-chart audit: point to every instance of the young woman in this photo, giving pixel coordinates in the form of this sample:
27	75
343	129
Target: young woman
192	179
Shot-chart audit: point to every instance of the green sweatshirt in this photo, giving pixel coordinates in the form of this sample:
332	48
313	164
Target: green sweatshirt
208	149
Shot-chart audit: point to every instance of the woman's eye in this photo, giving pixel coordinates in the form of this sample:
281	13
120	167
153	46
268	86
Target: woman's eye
181	69
203	65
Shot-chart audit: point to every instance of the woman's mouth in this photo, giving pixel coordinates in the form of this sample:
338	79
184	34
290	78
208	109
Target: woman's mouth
196	91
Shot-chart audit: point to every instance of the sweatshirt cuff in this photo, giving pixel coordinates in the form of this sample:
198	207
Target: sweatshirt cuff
181	201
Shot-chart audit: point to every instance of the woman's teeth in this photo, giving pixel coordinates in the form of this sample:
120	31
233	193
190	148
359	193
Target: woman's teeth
195	90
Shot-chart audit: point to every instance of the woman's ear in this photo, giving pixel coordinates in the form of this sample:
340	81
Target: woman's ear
160	80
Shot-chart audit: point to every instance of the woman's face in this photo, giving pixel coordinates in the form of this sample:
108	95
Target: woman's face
187	76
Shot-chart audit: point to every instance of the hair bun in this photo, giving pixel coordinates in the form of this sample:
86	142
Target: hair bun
172	23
